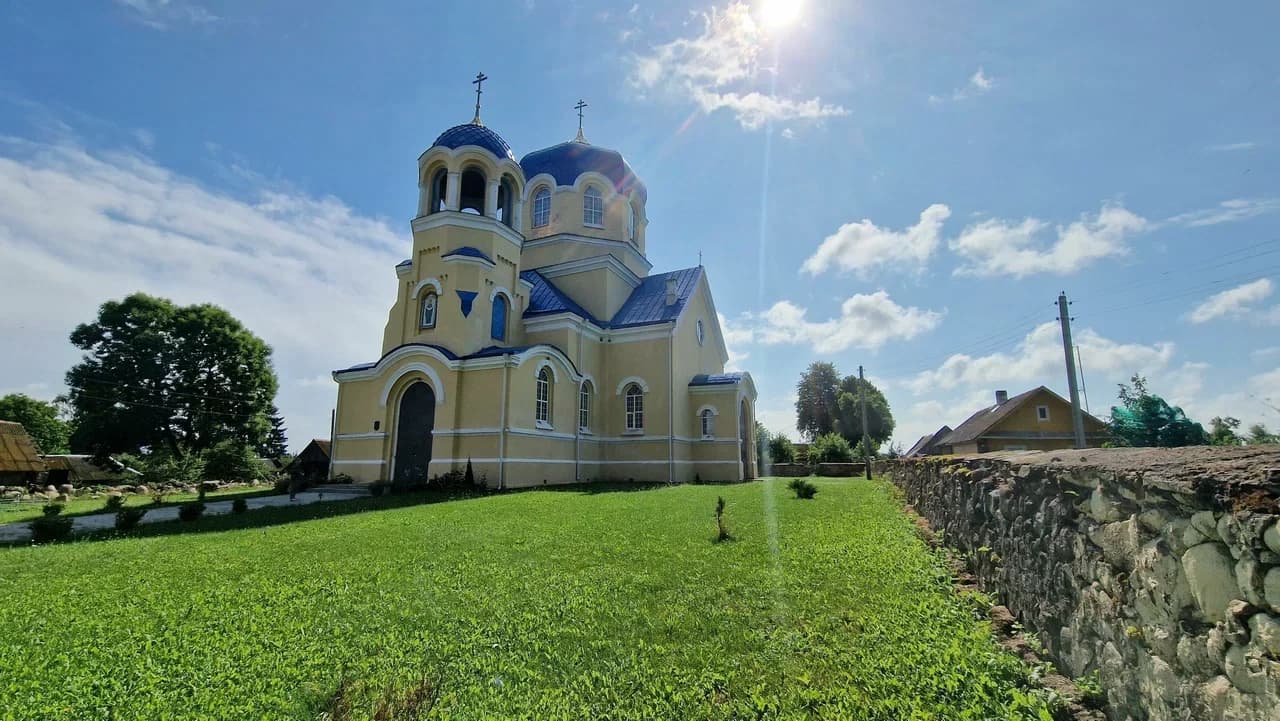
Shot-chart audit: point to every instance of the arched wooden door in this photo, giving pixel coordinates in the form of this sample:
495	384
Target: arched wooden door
744	441
414	423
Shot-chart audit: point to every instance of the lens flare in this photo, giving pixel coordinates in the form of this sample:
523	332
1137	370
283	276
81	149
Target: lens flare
779	13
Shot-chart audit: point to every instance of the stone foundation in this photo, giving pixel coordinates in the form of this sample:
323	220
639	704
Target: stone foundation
1160	568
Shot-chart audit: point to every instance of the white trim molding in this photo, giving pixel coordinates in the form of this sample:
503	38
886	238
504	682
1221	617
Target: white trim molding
622	384
546	363
424	283
360	436
358	462
436	385
467	220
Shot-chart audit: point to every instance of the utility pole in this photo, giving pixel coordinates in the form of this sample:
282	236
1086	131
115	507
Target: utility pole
866	438
1077	416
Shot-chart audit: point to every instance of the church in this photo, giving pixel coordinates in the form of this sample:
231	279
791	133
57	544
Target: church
529	337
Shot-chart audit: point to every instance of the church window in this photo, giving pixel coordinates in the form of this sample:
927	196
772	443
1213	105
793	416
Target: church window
631	222
506	199
708	423
439	182
474	186
584	407
427	319
542	402
541	208
499	325
635	408
593	208
702	333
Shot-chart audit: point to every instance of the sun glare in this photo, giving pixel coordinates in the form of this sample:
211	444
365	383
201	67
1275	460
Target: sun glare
779	13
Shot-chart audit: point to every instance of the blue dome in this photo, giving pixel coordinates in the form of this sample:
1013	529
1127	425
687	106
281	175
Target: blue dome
471	134
567	161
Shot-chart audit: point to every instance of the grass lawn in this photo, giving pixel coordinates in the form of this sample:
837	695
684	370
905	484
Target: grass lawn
531	605
85	506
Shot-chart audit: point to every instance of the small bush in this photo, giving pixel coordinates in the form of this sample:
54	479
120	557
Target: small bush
342	478
159	496
781	450
239	505
50	527
52	509
722	531
127	518
190	511
830	448
377	488
802	488
114	503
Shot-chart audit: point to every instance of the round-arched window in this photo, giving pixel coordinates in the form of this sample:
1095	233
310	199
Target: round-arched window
702	333
542	401
427	319
541	207
593	208
635	408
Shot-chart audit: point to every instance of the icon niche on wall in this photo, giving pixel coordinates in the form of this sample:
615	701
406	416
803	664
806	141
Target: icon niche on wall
467	297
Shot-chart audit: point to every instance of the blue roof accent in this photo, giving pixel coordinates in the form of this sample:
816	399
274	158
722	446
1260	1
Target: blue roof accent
406	261
472	134
567	161
365	366
648	302
545	298
467	251
716	379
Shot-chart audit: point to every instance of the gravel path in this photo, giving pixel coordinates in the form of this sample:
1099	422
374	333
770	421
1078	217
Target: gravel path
10	532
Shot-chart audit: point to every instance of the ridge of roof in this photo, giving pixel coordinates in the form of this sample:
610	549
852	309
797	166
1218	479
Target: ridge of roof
982	421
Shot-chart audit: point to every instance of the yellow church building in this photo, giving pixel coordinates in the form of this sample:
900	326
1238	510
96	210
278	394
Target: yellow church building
528	335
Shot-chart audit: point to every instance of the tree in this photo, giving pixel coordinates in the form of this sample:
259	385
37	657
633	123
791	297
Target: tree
43	421
879	418
781	450
830	448
1222	431
231	461
1258	435
276	444
156	376
762	442
1146	420
816	400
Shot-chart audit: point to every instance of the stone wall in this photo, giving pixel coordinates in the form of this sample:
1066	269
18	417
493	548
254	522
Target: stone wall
1160	568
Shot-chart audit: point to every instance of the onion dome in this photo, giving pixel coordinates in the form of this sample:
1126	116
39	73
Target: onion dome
566	162
474	134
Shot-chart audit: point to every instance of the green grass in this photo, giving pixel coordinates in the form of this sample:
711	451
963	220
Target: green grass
531	605
27	510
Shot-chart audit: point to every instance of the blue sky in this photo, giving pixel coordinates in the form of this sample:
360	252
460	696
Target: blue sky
901	185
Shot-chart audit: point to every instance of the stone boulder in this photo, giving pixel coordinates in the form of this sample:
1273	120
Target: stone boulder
1210	572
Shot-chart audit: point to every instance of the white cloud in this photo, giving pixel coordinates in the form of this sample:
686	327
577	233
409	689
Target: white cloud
865	321
163	14
1228	211
310	276
1005	247
978	84
735	336
717	69
861	246
779	416
1229	147
1233	302
788	133
1038	358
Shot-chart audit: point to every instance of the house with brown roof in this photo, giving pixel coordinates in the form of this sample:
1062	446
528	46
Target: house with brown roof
930	445
20	462
82	470
312	464
1038	420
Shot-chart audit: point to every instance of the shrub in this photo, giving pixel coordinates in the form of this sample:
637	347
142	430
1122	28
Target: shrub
469	478
830	448
342	478
377	488
190	511
722	531
781	450
159	496
50	526
127	518
239	505
114	503
52	509
231	461
802	488
165	468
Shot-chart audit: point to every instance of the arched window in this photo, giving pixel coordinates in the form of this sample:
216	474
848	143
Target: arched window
506	201
708	423
631	222
498	328
541	208
584	407
427	317
474	186
702	332
635	408
593	208
542	401
439	183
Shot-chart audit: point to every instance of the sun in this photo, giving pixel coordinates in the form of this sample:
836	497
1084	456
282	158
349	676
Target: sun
780	13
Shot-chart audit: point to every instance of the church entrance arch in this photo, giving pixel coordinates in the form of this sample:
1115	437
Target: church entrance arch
415	422
744	441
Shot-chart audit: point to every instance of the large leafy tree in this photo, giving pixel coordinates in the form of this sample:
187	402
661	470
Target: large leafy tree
161	377
43	421
1222	431
1144	419
879	418
817	406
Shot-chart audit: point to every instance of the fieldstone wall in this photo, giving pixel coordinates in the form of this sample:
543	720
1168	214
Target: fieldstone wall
1160	568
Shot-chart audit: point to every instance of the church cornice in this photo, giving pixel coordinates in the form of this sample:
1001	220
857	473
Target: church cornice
467	220
584	265
627	248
